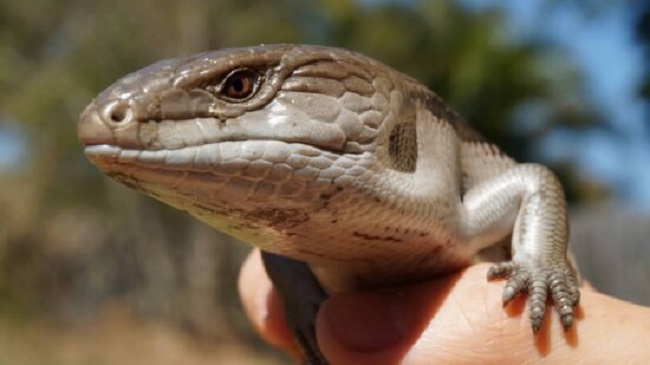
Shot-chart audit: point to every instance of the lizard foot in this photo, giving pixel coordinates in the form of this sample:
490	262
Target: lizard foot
559	281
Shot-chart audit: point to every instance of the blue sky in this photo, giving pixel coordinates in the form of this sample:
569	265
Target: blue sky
604	48
12	146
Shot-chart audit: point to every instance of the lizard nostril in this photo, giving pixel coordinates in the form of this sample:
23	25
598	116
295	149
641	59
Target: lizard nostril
118	115
117	111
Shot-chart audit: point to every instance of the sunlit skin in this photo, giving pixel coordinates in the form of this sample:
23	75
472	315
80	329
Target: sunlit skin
456	319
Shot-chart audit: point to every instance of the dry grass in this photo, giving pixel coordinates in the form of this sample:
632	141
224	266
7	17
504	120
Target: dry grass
116	337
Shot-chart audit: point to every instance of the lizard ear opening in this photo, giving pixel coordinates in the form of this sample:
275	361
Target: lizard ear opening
403	146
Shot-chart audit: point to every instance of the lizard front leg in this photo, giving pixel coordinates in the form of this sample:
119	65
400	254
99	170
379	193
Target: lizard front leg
527	200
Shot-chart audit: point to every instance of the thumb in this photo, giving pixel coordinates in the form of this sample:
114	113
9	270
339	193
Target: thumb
456	319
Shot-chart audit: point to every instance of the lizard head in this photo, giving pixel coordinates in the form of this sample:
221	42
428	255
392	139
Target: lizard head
235	137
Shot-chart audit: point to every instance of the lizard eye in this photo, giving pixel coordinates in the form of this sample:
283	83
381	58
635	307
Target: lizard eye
239	85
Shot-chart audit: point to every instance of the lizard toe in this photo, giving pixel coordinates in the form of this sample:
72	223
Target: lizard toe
537	296
565	295
517	279
501	270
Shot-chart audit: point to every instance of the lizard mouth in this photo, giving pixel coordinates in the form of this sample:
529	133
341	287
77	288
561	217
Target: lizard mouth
227	157
225	171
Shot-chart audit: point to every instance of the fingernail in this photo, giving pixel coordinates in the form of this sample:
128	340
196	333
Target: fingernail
366	322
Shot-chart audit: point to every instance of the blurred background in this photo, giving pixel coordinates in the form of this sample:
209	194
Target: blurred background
92	272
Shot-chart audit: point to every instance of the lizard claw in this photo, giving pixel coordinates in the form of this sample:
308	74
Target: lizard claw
559	281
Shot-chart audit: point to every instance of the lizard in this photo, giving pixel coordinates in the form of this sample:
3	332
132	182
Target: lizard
346	173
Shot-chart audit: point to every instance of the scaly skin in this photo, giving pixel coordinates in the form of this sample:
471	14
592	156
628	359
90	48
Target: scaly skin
348	174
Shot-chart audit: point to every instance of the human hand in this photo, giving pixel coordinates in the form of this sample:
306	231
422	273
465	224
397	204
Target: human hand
456	319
